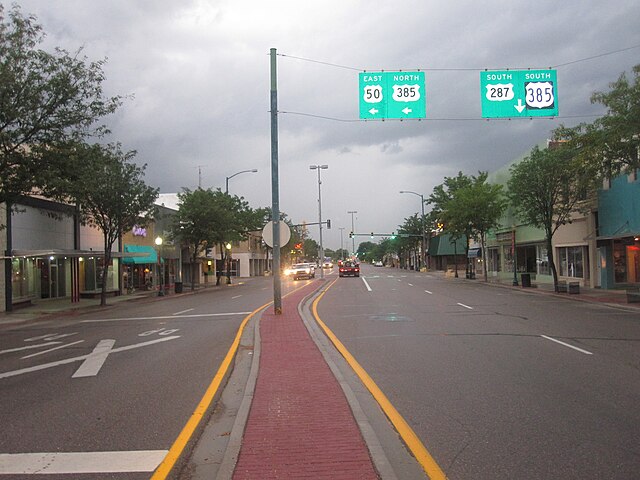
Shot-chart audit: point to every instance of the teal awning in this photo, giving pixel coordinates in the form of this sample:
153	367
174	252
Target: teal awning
149	257
444	245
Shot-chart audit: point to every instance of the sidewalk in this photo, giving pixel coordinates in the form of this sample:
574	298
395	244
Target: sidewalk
300	424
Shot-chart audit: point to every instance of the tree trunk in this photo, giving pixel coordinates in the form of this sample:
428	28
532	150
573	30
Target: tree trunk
222	263
194	257
484	257
552	264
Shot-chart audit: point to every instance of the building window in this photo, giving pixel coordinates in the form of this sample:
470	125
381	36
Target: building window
494	260
571	261
542	261
633	176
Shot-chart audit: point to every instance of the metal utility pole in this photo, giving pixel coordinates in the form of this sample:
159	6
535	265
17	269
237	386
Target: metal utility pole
226	183
341	244
321	253
275	188
423	252
353	238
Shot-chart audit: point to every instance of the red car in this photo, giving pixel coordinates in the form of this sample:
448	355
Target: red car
349	268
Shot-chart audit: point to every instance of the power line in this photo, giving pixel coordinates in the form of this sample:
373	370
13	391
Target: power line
459	69
441	119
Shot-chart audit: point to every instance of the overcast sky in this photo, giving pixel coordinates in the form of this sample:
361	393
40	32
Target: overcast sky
198	74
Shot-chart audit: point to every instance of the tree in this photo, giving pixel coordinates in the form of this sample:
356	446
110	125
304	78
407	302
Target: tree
612	142
194	224
475	209
45	100
546	188
440	199
110	193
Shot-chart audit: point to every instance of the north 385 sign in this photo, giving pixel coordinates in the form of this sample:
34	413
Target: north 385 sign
392	95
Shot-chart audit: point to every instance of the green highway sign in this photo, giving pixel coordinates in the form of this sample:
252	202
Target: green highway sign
392	95
519	93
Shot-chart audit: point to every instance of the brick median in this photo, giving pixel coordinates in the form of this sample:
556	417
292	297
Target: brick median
300	425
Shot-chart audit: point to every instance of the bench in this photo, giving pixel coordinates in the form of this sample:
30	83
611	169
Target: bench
633	295
574	287
561	287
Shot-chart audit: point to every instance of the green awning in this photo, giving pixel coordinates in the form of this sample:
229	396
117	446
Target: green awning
149	257
444	245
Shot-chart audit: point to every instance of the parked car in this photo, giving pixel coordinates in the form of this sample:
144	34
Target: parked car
301	270
378	264
349	268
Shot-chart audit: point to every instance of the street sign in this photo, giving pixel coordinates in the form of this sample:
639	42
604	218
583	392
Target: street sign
392	95
285	234
519	93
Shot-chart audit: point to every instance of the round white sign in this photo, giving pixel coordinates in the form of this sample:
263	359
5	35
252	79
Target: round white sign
285	234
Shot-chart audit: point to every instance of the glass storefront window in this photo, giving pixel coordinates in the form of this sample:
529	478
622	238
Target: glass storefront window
571	261
542	261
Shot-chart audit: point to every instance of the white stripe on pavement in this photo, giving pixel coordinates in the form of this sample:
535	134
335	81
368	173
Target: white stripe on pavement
80	462
30	347
586	352
92	365
183	311
52	349
427	291
162	317
465	306
366	284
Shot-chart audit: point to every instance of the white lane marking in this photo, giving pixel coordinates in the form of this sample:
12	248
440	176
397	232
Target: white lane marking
51	349
29	347
81	462
410	284
366	284
51	336
199	315
586	352
237	296
465	306
183	311
81	357
92	365
427	291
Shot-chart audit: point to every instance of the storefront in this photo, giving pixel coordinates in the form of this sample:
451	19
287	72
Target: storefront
619	261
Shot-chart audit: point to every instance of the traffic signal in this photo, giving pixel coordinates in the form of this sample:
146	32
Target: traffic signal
350	234
328	224
371	234
393	235
298	246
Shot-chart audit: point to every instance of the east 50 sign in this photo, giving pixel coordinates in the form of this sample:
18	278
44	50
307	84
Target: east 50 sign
519	93
392	95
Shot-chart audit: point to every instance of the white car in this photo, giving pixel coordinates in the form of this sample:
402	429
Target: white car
301	270
378	264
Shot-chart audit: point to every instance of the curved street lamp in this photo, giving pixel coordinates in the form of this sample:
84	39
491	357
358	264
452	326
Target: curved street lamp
226	188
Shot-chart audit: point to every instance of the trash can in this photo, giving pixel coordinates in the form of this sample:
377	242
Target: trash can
525	279
178	287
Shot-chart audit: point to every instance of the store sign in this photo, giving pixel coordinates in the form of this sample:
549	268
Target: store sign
139	231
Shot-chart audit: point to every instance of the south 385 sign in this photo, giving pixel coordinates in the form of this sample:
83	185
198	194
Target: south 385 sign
519	93
392	95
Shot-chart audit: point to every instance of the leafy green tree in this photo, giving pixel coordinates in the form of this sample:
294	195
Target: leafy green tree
46	99
547	188
612	142
365	250
409	239
111	194
475	209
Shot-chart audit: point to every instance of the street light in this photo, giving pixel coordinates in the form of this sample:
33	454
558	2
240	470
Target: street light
353	238
226	189
423	252
318	168
341	244
161	269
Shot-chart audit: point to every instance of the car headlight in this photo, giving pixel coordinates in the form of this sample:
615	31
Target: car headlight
307	270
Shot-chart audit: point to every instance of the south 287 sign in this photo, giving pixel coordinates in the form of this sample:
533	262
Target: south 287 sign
392	95
519	93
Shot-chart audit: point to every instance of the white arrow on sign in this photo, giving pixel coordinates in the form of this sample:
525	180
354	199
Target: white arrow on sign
373	111
407	111
520	107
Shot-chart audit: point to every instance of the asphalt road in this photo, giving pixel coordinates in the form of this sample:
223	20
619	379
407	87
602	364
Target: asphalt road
159	356
479	373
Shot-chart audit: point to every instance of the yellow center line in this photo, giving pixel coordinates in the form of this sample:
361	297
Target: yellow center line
407	434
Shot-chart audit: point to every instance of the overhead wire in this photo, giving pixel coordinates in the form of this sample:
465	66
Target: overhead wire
458	69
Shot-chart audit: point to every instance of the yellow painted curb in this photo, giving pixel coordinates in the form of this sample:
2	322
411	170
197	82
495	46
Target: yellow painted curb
407	434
